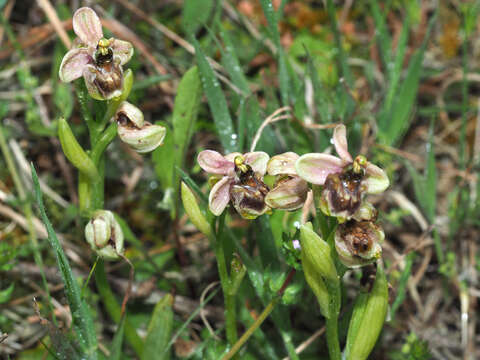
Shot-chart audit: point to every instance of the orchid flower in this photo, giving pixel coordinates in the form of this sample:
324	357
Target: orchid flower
290	190
95	58
239	179
358	243
345	180
133	130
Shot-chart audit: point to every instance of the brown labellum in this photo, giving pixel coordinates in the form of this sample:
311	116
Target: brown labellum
343	192
108	79
248	194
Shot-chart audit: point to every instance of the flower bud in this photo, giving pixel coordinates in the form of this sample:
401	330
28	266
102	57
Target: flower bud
237	273
319	270
289	193
105	235
193	210
358	243
367	319
283	164
132	129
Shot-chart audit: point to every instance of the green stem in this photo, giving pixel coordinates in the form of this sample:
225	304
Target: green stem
332	337
102	142
229	299
114	310
243	339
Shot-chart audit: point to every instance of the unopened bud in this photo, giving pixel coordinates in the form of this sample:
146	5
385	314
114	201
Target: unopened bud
237	273
367	319
289	193
105	235
319	270
193	210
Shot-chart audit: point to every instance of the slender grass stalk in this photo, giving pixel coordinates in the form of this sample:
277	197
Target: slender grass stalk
243	339
261	318
27	210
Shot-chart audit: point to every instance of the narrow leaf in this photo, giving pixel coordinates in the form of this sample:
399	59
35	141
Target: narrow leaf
81	316
116	350
216	101
159	331
185	111
6	294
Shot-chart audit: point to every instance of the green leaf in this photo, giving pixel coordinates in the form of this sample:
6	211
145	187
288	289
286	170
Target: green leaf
341	56
381	32
113	308
195	14
185	111
396	69
271	16
402	284
418	185
159	331
6	294
81	316
367	319
231	63
150	81
392	124
164	160
116	349
251	116
216	101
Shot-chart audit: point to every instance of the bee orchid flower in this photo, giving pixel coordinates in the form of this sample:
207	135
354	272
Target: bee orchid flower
290	190
346	180
97	59
239	179
133	130
358	243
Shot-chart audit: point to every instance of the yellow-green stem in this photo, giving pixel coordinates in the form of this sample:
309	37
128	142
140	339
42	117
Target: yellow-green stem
229	299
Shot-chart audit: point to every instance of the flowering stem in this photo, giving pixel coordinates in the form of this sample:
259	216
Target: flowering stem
229	299
332	338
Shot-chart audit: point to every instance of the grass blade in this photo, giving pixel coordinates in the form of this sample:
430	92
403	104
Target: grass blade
231	63
159	330
82	318
342	58
392	124
116	350
216	101
430	177
381	32
402	284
